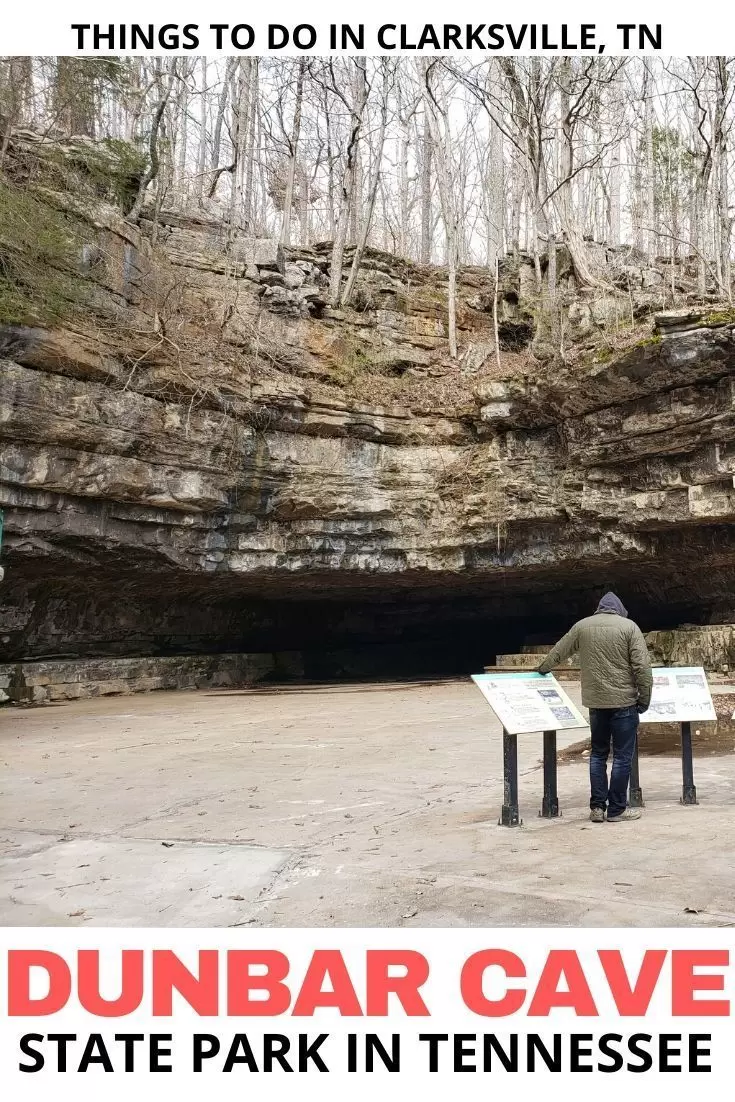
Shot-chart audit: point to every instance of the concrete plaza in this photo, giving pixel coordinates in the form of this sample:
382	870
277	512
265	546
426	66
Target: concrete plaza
342	805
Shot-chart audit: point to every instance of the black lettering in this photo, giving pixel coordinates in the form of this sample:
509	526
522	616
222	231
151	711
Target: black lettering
218	28
191	40
433	1039
516	40
80	28
696	1052
606	1050
249	36
405	44
95	1053
492	1046
240	1041
626	28
277	30
666	1053
308	1051
577	1051
391	1060
25	1048
381	36
275	1047
463	1049
158	1053
634	1044
168	37
654	37
588	36
473	36
533	1042
138	35
494	37
298	36
129	1041
451	36
206	1045
61	1040
356	37
429	35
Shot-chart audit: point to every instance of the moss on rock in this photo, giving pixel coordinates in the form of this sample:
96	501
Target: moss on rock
39	251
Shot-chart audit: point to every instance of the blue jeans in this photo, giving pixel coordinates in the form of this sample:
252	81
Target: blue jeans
619	726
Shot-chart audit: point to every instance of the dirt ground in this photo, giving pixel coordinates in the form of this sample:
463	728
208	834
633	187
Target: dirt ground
347	805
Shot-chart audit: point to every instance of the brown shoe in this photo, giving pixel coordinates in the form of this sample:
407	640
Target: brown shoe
597	815
625	816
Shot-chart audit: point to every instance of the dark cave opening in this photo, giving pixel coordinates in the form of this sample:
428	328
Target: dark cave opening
339	626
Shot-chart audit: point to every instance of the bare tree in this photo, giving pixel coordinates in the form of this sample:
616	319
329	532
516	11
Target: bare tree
387	70
437	118
164	85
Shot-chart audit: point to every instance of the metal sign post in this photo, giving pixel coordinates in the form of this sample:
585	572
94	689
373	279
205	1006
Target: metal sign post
509	813
688	791
527	704
550	802
635	797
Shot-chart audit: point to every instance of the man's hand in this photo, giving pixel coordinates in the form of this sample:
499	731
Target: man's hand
641	708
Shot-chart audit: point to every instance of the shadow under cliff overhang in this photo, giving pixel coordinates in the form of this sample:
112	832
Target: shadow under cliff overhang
84	603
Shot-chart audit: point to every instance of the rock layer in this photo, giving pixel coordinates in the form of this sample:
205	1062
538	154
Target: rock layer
215	477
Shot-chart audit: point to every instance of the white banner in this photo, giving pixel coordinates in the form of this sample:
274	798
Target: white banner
322	27
317	1013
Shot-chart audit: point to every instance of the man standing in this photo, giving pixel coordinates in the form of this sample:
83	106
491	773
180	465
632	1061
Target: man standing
616	687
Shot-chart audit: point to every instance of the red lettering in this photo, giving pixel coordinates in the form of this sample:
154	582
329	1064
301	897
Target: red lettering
473	971
684	982
632	1002
327	963
547	996
240	983
20	962
169	975
406	987
88	983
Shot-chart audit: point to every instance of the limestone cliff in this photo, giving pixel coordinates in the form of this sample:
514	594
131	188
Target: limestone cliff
203	456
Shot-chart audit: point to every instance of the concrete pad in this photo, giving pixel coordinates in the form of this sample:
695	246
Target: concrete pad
133	883
340	805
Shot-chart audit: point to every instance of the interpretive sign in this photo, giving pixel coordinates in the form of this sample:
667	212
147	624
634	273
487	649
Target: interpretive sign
680	695
526	702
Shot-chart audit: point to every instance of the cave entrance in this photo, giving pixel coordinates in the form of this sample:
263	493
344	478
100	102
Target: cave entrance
447	625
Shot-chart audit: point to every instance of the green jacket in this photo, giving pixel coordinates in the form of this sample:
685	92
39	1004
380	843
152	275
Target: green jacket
616	668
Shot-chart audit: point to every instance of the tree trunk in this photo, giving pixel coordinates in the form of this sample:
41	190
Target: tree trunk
348	181
650	205
293	156
372	192
425	253
151	172
182	112
496	198
614	205
241	90
217	136
253	139
441	152
572	232
202	154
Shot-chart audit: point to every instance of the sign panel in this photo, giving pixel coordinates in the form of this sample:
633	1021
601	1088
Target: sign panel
526	702
680	694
